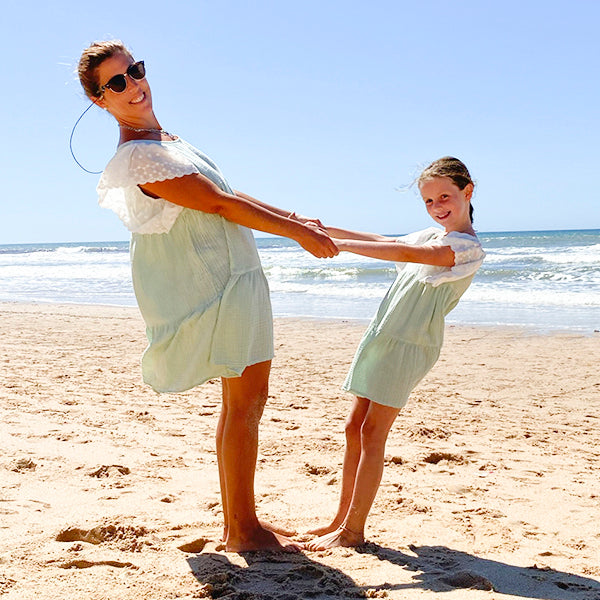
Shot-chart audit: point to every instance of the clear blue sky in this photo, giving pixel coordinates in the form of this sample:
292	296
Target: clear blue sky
324	107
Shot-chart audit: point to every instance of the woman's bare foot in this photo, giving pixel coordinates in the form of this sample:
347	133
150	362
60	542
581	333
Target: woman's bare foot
269	527
278	529
262	539
340	537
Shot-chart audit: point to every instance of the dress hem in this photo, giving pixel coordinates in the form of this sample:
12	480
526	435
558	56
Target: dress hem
229	372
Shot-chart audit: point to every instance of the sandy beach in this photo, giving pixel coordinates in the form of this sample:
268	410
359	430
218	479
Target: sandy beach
110	491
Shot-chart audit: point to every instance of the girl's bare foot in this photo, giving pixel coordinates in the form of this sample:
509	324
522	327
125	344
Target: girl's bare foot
340	537
319	531
262	539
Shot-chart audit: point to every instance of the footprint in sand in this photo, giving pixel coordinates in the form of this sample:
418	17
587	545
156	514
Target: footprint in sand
316	470
86	564
74	534
426	432
194	547
5	584
436	457
485	512
23	464
127	538
305	572
221	585
572	587
110	470
469	581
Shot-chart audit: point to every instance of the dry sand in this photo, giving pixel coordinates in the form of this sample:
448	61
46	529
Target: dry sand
110	491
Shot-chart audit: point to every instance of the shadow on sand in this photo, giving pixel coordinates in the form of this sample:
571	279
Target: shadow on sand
282	576
441	569
276	576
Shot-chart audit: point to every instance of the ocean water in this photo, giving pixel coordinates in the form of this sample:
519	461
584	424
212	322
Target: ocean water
546	280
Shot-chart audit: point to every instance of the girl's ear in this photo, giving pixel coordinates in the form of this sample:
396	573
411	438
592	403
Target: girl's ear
468	190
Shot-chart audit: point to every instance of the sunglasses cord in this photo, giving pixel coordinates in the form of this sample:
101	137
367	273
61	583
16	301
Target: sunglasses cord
71	141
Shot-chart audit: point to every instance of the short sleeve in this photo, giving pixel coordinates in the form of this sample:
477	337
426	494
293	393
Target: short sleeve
134	164
416	238
419	237
468	257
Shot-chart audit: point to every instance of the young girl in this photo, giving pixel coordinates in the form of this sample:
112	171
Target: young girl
404	338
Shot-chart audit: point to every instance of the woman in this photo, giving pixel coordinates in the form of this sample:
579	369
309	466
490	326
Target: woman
196	274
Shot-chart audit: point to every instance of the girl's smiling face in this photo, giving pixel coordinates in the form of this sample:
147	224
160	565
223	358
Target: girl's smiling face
133	106
447	204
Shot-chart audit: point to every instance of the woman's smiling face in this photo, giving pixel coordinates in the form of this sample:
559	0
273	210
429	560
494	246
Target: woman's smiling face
133	106
447	204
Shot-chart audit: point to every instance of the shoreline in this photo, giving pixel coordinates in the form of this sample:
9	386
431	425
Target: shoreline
542	282
110	490
133	311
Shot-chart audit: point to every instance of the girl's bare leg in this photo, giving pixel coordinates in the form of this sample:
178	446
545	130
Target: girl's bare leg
244	399
374	432
352	453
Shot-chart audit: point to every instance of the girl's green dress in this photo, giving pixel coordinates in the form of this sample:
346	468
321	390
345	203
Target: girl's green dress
404	339
197	277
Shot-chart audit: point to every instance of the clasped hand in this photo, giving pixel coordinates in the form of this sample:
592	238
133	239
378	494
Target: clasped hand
320	243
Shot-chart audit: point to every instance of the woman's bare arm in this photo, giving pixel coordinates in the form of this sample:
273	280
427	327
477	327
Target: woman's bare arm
199	193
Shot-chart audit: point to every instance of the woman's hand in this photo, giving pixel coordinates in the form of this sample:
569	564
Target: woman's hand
317	241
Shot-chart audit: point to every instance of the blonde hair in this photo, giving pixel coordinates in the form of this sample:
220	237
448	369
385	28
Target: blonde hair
450	167
91	58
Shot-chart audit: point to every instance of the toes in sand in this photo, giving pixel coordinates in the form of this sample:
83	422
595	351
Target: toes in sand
340	537
263	539
320	531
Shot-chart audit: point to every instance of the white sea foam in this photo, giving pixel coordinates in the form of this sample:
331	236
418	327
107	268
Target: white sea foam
527	278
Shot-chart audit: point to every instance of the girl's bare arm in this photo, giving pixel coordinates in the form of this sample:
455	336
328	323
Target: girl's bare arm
346	234
440	256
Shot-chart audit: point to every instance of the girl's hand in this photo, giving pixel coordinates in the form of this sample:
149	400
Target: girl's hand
305	220
317	226
317	242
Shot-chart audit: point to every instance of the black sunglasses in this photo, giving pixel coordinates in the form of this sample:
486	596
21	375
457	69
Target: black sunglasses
118	83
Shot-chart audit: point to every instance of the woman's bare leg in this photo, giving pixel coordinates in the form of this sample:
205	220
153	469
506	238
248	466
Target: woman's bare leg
374	432
237	447
220	426
219	443
352	453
